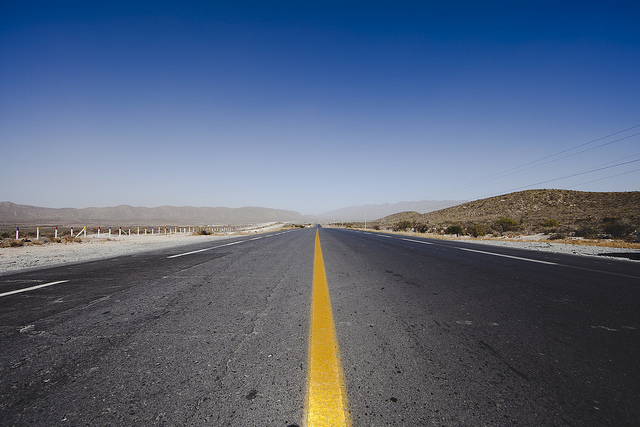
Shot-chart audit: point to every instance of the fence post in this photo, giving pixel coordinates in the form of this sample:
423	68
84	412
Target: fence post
145	231
37	233
55	233
119	231
71	233
85	231
129	231
17	231
109	231
98	232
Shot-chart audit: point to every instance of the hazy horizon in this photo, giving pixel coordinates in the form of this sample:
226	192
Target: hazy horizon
315	107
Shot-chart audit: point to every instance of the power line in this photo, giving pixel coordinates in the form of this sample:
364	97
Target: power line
607	177
536	163
575	174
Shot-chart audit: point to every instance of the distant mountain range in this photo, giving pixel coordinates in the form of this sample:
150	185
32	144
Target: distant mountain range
373	212
16	215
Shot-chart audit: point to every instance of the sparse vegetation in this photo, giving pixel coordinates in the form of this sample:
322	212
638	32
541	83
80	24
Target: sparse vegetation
617	229
403	225
586	231
476	230
560	214
420	227
70	239
454	229
506	224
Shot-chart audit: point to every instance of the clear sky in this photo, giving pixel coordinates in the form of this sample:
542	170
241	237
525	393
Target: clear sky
314	105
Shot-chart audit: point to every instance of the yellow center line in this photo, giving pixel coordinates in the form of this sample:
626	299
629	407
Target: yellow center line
326	394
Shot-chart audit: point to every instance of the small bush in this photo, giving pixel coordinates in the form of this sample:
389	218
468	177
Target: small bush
16	243
203	232
617	229
507	224
403	225
70	239
420	228
454	229
476	230
550	223
586	231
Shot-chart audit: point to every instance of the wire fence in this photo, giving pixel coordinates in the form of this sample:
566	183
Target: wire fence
99	232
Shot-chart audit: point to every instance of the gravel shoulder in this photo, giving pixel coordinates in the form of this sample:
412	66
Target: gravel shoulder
566	248
91	248
538	243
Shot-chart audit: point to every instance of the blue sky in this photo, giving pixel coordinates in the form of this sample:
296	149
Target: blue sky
312	106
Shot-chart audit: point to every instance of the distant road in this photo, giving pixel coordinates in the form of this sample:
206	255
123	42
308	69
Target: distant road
429	332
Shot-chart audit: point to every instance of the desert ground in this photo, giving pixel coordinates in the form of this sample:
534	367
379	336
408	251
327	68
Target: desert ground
14	259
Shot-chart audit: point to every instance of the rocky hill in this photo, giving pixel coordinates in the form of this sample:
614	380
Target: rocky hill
533	211
12	214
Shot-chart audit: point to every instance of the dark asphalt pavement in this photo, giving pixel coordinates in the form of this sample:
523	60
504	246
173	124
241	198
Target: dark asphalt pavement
430	333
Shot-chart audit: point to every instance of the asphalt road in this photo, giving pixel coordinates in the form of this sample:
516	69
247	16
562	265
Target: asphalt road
430	333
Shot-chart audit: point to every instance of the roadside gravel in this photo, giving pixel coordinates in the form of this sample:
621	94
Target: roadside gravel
91	248
538	243
564	248
49	254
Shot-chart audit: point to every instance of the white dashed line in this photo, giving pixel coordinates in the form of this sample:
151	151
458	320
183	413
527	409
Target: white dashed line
202	250
417	241
509	256
32	288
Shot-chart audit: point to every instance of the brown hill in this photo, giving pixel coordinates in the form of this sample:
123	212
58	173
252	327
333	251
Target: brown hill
533	211
15	215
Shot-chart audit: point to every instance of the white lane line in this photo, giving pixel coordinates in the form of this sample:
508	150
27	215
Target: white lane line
417	241
509	256
256	238
32	288
202	250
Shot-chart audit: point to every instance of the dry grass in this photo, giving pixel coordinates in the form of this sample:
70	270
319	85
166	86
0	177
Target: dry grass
69	239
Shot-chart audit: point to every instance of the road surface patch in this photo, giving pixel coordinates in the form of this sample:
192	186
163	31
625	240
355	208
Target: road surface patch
326	394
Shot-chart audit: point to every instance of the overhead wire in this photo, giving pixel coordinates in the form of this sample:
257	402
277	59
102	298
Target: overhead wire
574	174
607	177
536	163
